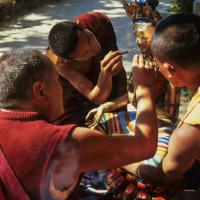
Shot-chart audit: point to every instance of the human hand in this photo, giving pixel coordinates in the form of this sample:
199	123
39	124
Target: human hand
112	63
94	116
143	72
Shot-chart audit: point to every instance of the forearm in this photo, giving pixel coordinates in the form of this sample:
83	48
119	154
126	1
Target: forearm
146	118
110	66
116	103
97	94
101	90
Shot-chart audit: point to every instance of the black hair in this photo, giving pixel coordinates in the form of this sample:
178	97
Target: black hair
177	40
153	3
19	70
63	38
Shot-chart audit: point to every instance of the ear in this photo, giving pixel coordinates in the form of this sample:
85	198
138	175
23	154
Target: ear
39	92
170	69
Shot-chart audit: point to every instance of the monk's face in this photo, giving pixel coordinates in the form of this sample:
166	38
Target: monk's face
87	46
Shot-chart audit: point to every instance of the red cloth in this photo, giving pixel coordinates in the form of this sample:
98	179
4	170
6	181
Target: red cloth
76	105
102	28
13	188
29	143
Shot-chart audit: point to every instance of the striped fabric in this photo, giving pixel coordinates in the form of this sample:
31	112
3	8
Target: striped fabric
124	123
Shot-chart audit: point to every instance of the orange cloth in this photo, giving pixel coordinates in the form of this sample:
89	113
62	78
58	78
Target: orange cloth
192	115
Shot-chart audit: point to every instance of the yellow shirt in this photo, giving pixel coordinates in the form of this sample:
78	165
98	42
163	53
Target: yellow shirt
192	115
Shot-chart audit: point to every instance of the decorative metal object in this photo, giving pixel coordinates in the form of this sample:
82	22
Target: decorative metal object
144	18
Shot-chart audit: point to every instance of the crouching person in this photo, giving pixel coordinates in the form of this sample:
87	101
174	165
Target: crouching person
45	159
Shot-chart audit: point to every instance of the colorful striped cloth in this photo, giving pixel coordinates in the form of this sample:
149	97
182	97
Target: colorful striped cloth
124	123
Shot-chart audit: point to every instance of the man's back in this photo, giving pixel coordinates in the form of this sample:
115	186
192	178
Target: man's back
32	145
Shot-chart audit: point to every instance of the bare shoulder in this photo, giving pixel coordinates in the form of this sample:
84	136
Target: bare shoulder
187	131
184	149
187	137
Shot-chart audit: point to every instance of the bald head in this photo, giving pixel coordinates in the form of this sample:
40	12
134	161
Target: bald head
177	40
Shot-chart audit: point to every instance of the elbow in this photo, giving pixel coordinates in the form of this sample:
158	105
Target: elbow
169	175
153	142
151	151
172	173
151	146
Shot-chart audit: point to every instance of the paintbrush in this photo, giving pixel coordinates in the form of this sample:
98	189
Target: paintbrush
126	52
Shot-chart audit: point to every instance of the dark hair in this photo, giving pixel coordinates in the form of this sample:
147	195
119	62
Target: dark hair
177	40
153	3
63	38
19	69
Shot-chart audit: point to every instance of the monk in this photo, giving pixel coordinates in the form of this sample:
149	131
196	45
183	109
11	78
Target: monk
86	56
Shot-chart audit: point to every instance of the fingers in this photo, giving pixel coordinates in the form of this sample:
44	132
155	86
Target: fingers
92	124
135	60
140	62
110	55
93	117
114	66
90	115
148	65
112	63
142	71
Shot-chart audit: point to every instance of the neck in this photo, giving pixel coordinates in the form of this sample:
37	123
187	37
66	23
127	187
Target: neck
192	79
22	106
193	83
194	88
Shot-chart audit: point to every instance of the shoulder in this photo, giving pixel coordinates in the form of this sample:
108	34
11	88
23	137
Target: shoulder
184	149
193	110
193	117
186	139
